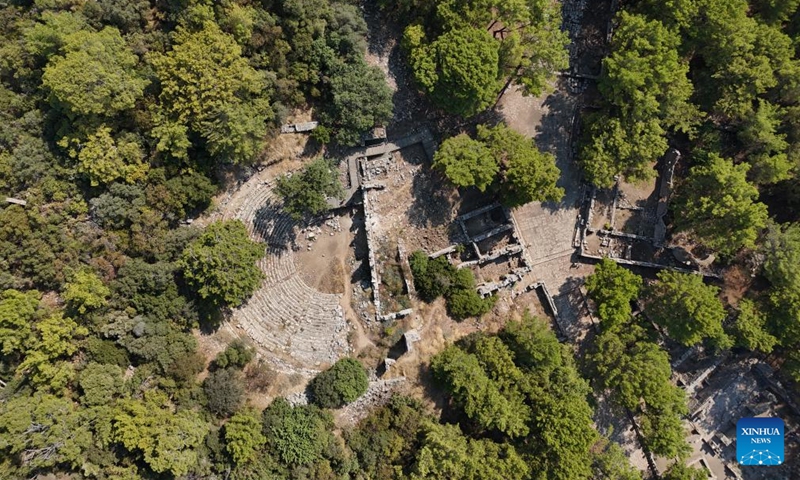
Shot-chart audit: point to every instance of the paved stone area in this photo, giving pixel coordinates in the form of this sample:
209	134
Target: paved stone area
548	229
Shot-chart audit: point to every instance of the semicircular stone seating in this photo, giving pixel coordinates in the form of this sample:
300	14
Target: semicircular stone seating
302	327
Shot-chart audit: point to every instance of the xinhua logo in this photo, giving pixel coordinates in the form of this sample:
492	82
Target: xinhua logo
759	441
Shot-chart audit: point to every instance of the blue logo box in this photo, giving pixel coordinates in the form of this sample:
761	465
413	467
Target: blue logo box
759	441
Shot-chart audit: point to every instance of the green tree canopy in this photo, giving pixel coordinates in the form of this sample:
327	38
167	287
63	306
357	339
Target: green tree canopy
645	93
105	159
503	157
46	364
86	291
167	440
466	162
750	328
782	254
18	310
638	373
361	99
100	383
613	288
689	309
236	355
306	192
478	395
720	206
47	37
243	435
220	265
436	277
766	145
744	58
224	391
42	432
344	382
459	69
298	435
209	87
387	440
447	453
95	75
644	75
526	174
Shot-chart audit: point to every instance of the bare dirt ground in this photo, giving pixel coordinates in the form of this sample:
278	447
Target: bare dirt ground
324	262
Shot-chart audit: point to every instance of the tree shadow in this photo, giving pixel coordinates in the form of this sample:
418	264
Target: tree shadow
432	205
275	227
555	135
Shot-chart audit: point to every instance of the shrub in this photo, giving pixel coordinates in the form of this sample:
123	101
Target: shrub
236	355
340	384
298	435
436	277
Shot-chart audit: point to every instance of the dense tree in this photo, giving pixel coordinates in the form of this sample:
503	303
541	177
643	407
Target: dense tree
361	99
645	92
750	328
386	441
306	192
46	362
17	313
105	159
100	383
638	373
743	57
679	471
46	37
167	440
634	368
436	277
782	248
224	391
459	69
298	435
466	162
86	291
243	435
41	432
525	38
534	44
95	76
612	464
766	145
613	288
447	453
478	395
220	264
562	418
644	75
207	86
526	174
720	206
344	382
689	309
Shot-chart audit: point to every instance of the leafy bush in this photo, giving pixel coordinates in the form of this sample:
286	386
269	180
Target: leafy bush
298	435
106	352
305	192
437	277
340	384
236	355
